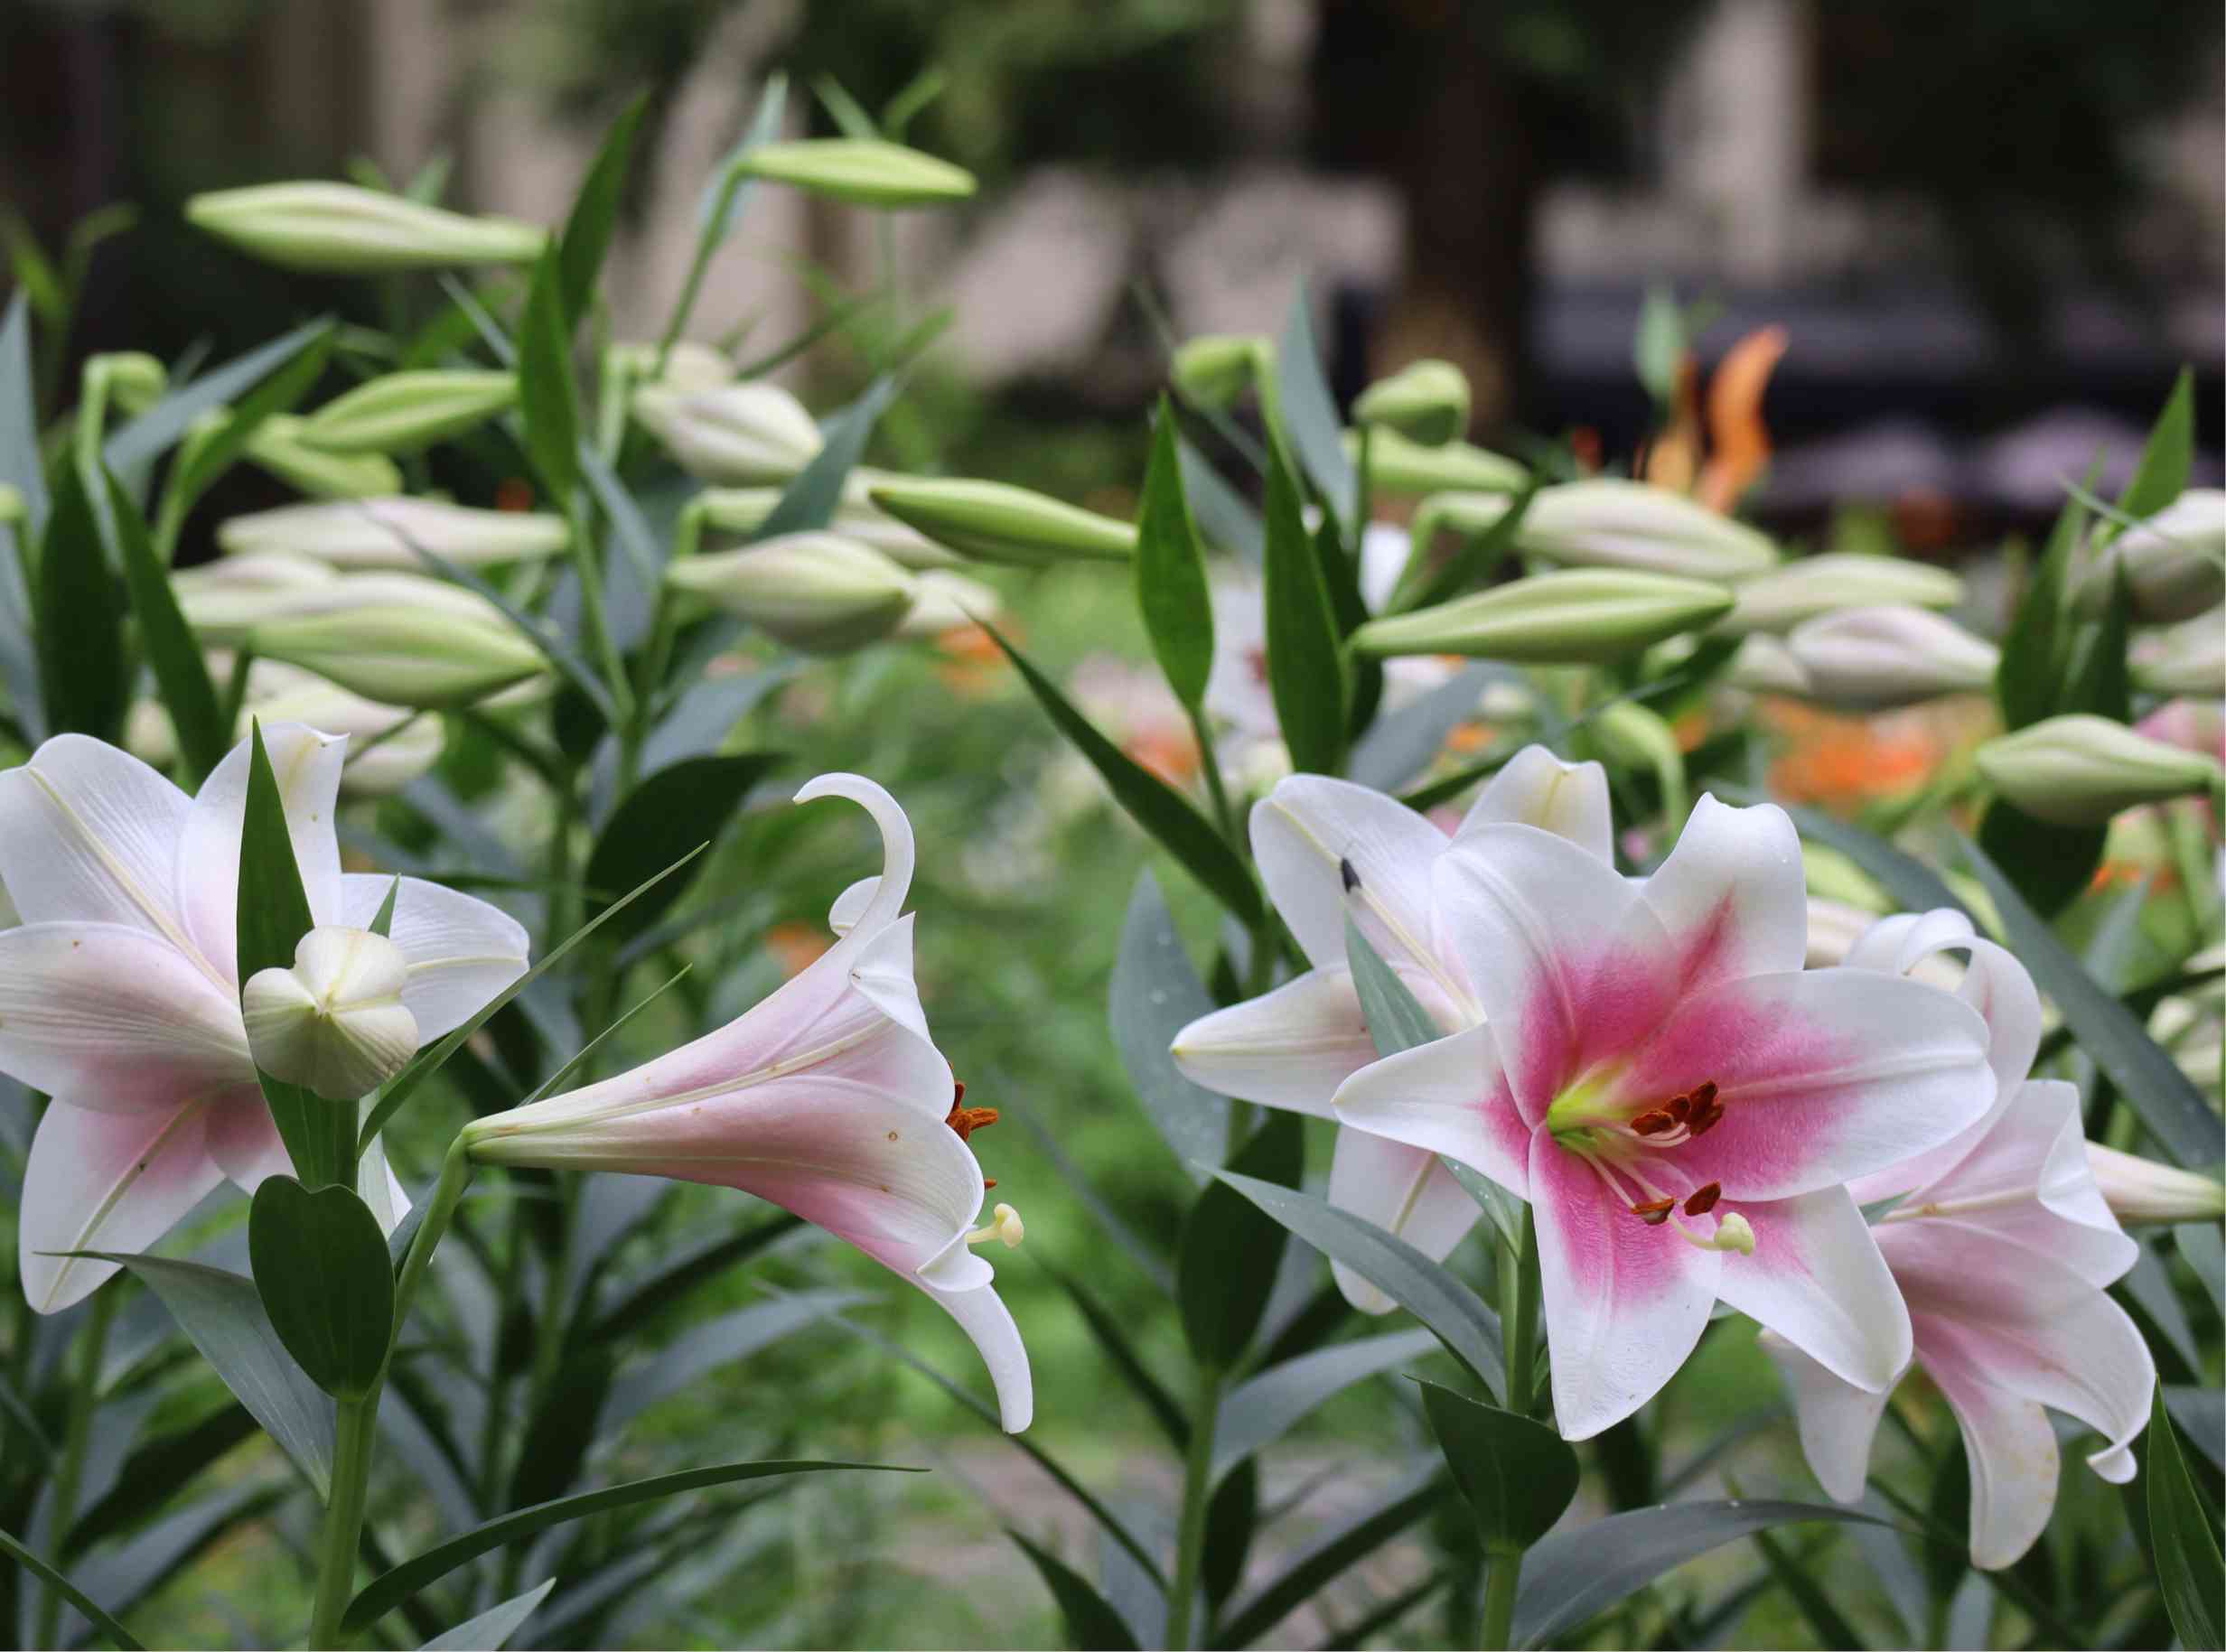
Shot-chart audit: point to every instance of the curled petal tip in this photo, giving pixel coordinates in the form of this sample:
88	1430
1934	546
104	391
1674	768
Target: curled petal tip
896	844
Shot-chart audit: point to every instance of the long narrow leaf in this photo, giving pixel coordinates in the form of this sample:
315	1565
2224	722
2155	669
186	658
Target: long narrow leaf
1306	673
115	1633
1092	1623
1331	1555
147	437
1269	1405
594	213
1156	993
1309	412
1171	570
181	671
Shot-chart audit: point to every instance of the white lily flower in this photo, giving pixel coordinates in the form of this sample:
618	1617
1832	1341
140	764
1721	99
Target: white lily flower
120	993
829	1099
2002	1262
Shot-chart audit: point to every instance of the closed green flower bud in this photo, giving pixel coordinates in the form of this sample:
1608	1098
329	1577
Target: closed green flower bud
1873	658
2081	770
277	446
993	521
1400	464
1607	522
731	435
424	658
132	379
2174	561
2189	658
945	602
864	172
2140	1189
816	591
1566	618
744	510
1781	598
1219	370
403	413
12	508
339	229
1425	400
1765	665
383	533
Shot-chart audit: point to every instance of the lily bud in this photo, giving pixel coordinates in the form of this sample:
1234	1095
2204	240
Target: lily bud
339	229
1570	618
993	522
2189	658
2140	1189
388	745
744	510
1219	369
816	591
732	433
427	659
1870	659
134	380
220	599
277	446
690	365
1784	597
1607	522
1765	665
2079	769
2174	561
863	172
945	602
1425	400
335	1022
403	413
381	533
1396	464
12	508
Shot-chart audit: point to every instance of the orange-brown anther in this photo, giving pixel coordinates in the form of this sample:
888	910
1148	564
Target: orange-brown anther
1703	1200
1655	1211
1704	1121
966	1121
1653	1123
1680	1108
1704	1094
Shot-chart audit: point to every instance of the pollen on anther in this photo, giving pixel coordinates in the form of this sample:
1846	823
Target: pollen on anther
1680	1108
1653	1123
1655	1211
1704	1199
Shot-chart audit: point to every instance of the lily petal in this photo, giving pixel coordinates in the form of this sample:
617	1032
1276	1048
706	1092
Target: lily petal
1838	1421
306	765
1310	829
1534	788
1816	1279
461	951
2013	1457
90	832
1289	1048
1624	1302
105	1182
1732	894
897	855
1405	1191
982	1314
1448	1097
116	1018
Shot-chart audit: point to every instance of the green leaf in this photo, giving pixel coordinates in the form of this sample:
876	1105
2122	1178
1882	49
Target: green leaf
682	807
159	1470
1449	1309
2168	457
672	1281
594	213
1120	1353
2183	1122
322	1269
383	920
221	1314
493	1627
154	431
2026	680
115	1632
2184	1548
1332	1555
809	500
1232	1521
1395	1016
1586	1569
1308	414
1268	1405
1093	1625
720	209
547	396
21	466
2049	863
1171	570
1518	1477
1154	994
1230	1253
405	1084
703	1348
179	670
1223	514
1826	1622
1306	659
211	456
78	621
388	1591
1151	802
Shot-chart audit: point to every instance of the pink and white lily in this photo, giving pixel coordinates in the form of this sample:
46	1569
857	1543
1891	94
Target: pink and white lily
1679	1100
2002	1259
119	993
829	1099
1329	848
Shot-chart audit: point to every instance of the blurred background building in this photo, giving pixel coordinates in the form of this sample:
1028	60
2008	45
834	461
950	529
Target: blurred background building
1991	228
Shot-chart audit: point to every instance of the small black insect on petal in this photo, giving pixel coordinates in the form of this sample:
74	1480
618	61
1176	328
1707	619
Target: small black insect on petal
1352	878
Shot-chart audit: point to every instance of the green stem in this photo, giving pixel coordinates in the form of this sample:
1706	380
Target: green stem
343	1516
1231	827
1505	1568
1519	1306
706	244
1197	1493
69	1473
593	615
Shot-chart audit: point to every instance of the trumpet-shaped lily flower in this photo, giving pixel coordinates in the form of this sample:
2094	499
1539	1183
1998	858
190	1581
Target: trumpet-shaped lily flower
829	1099
119	994
1326	849
2002	1260
1678	1099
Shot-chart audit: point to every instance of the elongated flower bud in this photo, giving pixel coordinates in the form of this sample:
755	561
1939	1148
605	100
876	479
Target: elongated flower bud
1398	463
1782	598
2082	770
1869	658
2140	1189
335	1022
731	435
1765	665
403	413
1569	618
134	380
945	602
1428	401
2189	658
744	510
277	446
388	745
381	533
816	591
1607	522
222	600
993	522
1219	369
2174	561
429	660
341	230
863	172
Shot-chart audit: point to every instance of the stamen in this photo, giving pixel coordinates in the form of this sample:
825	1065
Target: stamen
966	1120
1704	1199
1680	1107
1654	1212
1655	1122
1004	1224
1705	1117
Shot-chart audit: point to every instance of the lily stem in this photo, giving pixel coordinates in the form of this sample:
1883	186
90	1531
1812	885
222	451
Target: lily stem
344	1516
1197	1493
1519	1309
69	1473
1505	1569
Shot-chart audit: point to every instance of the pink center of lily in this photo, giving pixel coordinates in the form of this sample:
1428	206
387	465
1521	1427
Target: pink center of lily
1617	1149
